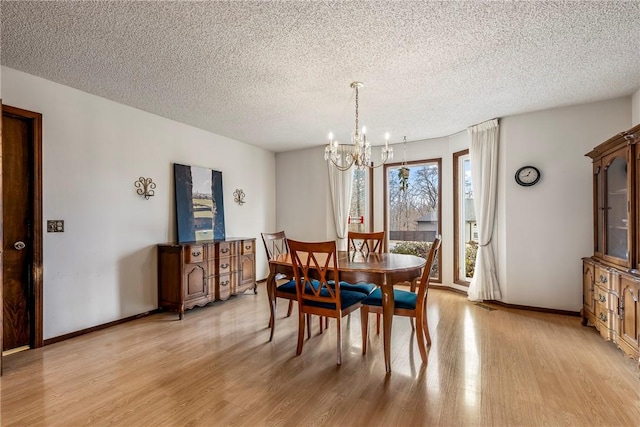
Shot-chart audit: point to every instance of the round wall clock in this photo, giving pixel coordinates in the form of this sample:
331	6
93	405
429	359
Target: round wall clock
527	176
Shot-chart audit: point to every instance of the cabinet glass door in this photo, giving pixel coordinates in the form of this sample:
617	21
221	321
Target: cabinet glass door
616	213
600	207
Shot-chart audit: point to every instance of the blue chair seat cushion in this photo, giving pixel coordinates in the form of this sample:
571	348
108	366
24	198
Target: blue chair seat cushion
288	288
347	299
363	288
402	299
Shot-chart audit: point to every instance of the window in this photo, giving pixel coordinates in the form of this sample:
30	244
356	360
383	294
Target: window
358	220
466	228
412	208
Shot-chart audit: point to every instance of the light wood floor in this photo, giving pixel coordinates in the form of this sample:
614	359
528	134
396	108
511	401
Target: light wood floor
502	368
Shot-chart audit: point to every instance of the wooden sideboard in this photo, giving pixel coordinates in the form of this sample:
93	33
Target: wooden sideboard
196	273
611	277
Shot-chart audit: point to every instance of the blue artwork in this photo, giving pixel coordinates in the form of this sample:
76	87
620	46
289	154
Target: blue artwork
199	203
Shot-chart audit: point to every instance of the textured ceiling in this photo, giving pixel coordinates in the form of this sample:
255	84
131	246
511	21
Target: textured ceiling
277	74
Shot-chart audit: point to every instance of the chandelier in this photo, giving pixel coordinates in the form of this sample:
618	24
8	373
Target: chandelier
359	153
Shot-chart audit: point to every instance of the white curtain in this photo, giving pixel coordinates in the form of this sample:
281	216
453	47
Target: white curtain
340	184
483	153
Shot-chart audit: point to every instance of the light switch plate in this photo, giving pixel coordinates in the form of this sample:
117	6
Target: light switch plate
55	226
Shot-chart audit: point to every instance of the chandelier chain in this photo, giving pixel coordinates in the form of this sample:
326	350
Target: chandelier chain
357	110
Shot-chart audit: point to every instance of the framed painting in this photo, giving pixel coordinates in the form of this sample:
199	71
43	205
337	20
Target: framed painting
199	203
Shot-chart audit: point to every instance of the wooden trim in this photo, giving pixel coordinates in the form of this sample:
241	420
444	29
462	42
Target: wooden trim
530	308
447	288
511	306
36	201
1	246
371	213
99	327
598	242
456	219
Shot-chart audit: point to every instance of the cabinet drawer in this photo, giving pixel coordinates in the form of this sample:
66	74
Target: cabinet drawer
225	249
605	298
605	316
223	286
248	247
194	254
603	277
224	265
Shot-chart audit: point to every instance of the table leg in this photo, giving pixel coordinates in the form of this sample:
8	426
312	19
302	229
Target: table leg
271	296
388	305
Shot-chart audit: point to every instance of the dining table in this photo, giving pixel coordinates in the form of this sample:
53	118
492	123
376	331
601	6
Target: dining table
385	270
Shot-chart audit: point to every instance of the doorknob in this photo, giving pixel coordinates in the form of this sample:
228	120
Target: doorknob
19	245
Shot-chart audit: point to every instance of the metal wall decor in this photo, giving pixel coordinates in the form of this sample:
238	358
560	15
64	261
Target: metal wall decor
145	187
238	196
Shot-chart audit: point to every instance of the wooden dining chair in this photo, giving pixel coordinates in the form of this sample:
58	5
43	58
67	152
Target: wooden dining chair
366	243
319	289
409	304
276	244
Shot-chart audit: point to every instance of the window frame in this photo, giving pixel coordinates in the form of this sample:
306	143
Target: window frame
456	219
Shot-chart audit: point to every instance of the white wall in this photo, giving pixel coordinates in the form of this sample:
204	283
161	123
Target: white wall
542	231
103	267
303	199
635	108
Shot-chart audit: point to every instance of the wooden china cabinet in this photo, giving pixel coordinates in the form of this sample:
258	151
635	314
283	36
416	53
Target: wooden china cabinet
611	277
196	273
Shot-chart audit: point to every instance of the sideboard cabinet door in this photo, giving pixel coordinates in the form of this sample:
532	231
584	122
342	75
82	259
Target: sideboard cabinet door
629	311
587	289
247	267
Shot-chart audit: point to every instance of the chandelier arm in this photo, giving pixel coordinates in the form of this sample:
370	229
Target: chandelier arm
342	168
373	166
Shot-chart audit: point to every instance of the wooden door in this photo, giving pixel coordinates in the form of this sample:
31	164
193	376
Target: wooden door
247	273
22	229
195	280
587	290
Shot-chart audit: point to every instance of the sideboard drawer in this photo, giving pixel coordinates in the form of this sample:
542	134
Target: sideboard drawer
603	277
224	265
606	318
248	247
224	249
223	287
194	254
